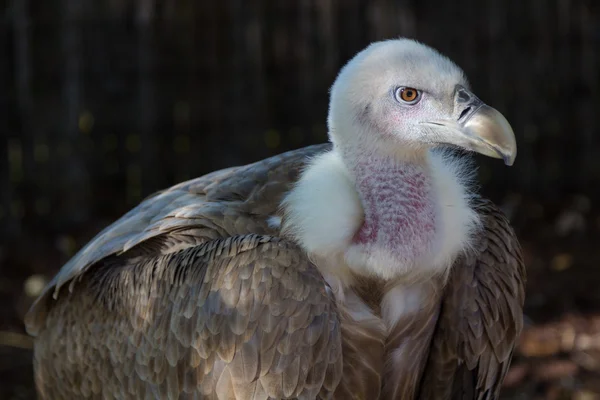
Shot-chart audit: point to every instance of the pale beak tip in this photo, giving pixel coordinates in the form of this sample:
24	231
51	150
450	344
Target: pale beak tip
509	159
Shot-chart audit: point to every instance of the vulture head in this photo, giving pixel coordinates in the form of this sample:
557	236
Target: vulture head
399	98
386	199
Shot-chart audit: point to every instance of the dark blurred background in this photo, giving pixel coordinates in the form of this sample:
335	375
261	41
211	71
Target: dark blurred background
103	102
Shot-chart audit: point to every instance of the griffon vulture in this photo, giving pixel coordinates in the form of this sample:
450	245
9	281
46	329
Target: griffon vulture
362	269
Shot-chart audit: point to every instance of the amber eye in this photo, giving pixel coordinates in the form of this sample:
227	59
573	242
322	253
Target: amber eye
408	95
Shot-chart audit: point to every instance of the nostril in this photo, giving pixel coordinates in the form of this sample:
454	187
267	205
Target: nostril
464	112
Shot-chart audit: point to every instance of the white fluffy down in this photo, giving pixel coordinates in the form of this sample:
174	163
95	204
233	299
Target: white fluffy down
323	211
459	223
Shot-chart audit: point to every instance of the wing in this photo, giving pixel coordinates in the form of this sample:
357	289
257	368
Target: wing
247	316
481	316
160	234
229	202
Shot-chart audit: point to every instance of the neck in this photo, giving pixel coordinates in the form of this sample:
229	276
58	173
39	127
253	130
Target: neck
384	216
400	213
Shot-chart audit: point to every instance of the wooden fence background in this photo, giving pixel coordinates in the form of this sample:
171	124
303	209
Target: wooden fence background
104	101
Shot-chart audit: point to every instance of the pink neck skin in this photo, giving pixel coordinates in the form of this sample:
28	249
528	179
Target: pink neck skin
399	211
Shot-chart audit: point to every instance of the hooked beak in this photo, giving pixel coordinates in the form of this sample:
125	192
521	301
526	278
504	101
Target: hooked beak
477	127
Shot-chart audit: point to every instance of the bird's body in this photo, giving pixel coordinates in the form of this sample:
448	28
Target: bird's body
367	269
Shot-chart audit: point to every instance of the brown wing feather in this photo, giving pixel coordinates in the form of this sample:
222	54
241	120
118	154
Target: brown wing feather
248	316
481	316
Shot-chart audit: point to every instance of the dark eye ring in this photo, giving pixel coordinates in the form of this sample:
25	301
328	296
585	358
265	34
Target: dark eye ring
407	95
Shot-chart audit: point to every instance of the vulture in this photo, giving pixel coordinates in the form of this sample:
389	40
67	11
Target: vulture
363	268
